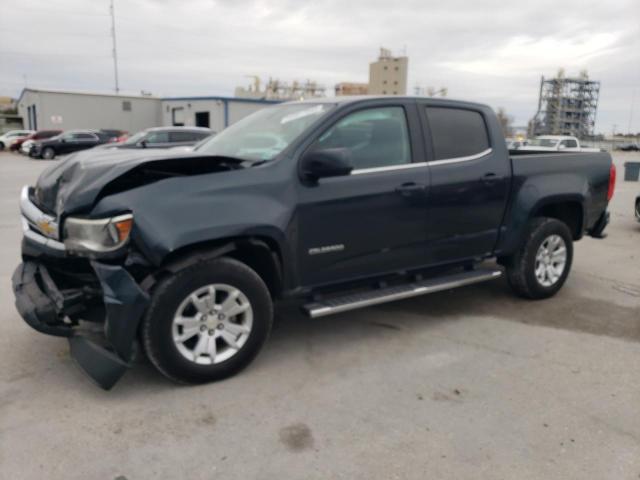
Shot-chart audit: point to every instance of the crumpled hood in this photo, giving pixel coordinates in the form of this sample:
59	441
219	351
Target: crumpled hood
75	183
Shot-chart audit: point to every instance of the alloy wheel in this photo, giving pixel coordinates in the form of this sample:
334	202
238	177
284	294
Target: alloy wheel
212	324
551	260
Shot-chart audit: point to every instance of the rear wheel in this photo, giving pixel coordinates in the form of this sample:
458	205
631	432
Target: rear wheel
48	153
541	265
1	146
208	321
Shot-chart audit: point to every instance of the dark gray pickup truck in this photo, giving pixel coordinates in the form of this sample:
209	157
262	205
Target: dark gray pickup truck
341	203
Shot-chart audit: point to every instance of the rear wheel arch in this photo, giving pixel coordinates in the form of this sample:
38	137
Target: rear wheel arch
568	211
522	267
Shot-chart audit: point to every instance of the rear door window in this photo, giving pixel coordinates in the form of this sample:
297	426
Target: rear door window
457	132
157	137
201	135
178	137
84	137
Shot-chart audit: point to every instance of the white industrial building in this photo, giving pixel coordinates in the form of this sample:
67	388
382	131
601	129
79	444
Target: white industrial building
63	110
67	110
215	113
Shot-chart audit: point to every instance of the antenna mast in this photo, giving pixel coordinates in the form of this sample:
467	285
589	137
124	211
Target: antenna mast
113	37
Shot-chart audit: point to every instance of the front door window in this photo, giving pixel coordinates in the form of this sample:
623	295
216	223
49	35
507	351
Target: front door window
375	137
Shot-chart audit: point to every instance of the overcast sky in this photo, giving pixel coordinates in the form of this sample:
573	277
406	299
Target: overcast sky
488	51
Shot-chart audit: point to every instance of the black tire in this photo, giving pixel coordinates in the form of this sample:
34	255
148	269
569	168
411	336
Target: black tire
169	294
520	267
48	153
1	146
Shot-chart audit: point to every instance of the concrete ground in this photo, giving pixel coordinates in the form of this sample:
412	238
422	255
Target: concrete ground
473	383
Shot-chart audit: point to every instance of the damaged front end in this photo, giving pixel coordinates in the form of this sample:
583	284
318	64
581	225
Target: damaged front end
69	296
88	264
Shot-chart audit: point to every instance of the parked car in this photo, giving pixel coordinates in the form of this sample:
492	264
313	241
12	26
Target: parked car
515	144
67	142
163	137
191	148
112	135
23	145
7	139
554	143
340	203
629	147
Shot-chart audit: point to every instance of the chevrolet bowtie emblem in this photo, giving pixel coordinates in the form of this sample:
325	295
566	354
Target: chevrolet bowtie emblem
45	227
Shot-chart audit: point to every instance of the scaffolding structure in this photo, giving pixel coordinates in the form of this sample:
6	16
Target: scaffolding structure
278	90
566	106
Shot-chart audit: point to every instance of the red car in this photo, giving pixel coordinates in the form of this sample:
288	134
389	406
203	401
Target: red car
39	135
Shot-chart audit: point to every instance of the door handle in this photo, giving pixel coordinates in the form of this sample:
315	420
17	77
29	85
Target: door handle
490	178
410	188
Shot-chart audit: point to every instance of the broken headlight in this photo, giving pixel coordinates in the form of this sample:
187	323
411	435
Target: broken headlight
103	235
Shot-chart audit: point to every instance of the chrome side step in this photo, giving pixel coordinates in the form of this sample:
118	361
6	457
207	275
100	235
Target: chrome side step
345	303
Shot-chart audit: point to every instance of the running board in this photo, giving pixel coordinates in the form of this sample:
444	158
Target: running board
345	303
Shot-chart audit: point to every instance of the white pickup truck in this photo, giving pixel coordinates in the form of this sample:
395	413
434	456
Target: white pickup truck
554	143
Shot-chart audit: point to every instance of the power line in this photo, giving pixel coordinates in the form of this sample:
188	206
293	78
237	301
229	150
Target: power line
33	11
58	33
52	54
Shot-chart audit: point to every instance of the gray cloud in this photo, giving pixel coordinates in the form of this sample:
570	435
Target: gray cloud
489	51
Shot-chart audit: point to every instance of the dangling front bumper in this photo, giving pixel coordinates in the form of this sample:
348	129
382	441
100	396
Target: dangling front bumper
54	311
56	293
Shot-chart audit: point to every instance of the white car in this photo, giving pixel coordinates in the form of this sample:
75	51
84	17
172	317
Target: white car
25	148
7	139
555	143
514	143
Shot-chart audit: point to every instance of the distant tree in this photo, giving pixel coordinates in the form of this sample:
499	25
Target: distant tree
506	122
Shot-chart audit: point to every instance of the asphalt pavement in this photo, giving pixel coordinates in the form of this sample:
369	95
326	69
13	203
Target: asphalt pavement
472	383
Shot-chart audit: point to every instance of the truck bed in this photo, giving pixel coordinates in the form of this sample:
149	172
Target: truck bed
580	177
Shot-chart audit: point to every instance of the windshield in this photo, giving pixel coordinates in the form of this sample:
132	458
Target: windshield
265	133
543	142
135	138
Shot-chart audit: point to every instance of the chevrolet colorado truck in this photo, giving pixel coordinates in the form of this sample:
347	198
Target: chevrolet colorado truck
340	203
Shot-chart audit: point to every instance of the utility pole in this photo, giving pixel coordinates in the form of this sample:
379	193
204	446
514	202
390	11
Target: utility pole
115	52
633	101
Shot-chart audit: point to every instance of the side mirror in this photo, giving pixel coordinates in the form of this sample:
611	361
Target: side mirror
330	162
63	140
562	146
143	143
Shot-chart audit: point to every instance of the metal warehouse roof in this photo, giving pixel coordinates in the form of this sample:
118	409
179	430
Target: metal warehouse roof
145	97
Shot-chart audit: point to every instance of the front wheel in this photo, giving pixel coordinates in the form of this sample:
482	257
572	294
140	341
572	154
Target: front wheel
541	265
48	153
208	321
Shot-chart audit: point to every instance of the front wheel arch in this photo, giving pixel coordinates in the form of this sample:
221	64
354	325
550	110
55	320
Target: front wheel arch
260	254
156	328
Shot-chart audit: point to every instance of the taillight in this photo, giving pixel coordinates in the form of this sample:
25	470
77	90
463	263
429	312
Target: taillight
612	182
